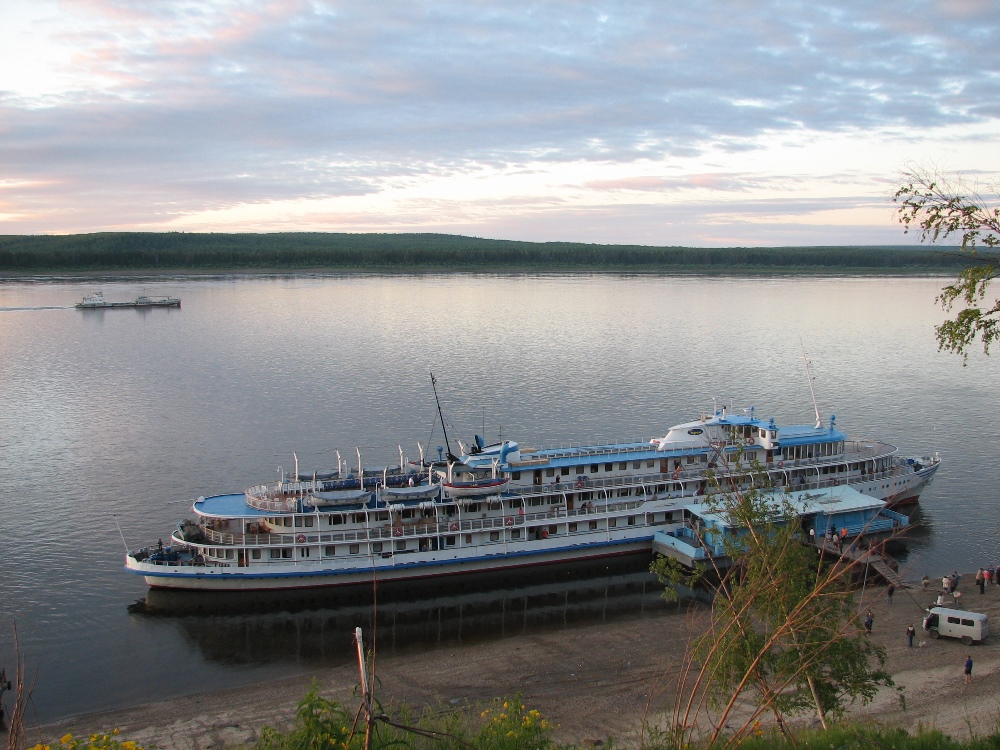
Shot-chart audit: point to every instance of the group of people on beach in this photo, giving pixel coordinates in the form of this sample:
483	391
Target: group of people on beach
949	587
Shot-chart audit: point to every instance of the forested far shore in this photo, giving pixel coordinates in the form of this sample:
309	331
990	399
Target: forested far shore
285	251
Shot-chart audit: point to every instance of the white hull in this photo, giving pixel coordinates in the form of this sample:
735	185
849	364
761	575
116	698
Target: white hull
404	567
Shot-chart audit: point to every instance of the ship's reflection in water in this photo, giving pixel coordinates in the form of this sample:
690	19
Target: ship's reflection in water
244	628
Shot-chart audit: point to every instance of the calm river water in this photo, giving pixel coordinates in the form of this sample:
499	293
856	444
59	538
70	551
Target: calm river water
128	414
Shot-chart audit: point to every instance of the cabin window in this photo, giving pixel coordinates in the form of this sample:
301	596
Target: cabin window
376	546
494	536
303	552
650	464
637	464
330	550
382	516
594	468
473	507
298	523
572	527
449	541
408	513
593	525
550	472
535	501
538	477
564	471
553	530
690	459
953	620
631	520
516	502
468	538
612	522
286	554
623	466
968	623
255	554
335	520
309	522
354	549
515	533
609	467
579	469
515	475
401	545
763	433
275	554
229	554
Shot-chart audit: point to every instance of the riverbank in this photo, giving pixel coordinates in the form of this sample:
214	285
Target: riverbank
434	253
593	682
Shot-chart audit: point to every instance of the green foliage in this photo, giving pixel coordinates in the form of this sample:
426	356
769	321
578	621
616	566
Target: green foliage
431	252
320	724
938	208
511	726
109	741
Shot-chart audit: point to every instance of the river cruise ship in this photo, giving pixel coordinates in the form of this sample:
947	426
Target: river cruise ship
502	506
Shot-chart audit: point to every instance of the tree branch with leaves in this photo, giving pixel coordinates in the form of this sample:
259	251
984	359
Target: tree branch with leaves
938	207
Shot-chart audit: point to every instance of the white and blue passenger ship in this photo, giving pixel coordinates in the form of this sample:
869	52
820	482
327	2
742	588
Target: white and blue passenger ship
501	506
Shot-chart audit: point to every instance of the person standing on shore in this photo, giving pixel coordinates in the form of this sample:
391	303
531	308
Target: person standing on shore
946	584
981	581
910	632
889	592
968	669
869	621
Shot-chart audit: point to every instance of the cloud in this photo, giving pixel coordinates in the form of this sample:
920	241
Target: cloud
172	109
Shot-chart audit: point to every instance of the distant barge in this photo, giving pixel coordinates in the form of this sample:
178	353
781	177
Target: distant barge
97	301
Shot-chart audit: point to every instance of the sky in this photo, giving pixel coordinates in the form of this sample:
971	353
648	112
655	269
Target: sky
656	122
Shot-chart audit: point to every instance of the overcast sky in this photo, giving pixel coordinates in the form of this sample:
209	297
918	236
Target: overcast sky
655	122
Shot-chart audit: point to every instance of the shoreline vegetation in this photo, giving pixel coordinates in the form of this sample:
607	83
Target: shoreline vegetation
164	252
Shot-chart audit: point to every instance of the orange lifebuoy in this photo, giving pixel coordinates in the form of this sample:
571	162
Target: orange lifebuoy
398	531
508	521
454	526
300	538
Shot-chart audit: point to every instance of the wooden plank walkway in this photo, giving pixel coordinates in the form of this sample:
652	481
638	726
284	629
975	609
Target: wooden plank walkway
877	562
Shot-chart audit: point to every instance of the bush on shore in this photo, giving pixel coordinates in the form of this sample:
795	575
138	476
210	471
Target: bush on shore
323	724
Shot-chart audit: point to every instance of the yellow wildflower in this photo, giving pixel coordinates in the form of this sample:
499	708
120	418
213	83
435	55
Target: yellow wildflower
115	731
66	738
485	713
129	745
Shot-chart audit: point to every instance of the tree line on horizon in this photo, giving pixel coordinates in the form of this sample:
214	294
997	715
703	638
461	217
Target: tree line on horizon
435	252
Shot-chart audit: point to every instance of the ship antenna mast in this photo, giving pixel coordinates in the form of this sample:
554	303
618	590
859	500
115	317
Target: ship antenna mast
810	378
451	456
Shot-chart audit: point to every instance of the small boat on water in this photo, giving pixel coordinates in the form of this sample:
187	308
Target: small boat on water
96	301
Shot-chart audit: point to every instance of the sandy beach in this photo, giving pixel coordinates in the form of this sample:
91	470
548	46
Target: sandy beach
594	682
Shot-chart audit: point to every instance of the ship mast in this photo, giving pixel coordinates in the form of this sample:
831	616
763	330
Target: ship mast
451	456
810	377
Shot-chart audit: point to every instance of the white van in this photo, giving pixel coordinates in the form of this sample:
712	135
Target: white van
971	627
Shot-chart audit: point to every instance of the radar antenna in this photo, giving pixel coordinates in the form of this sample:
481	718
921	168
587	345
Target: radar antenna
810	378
